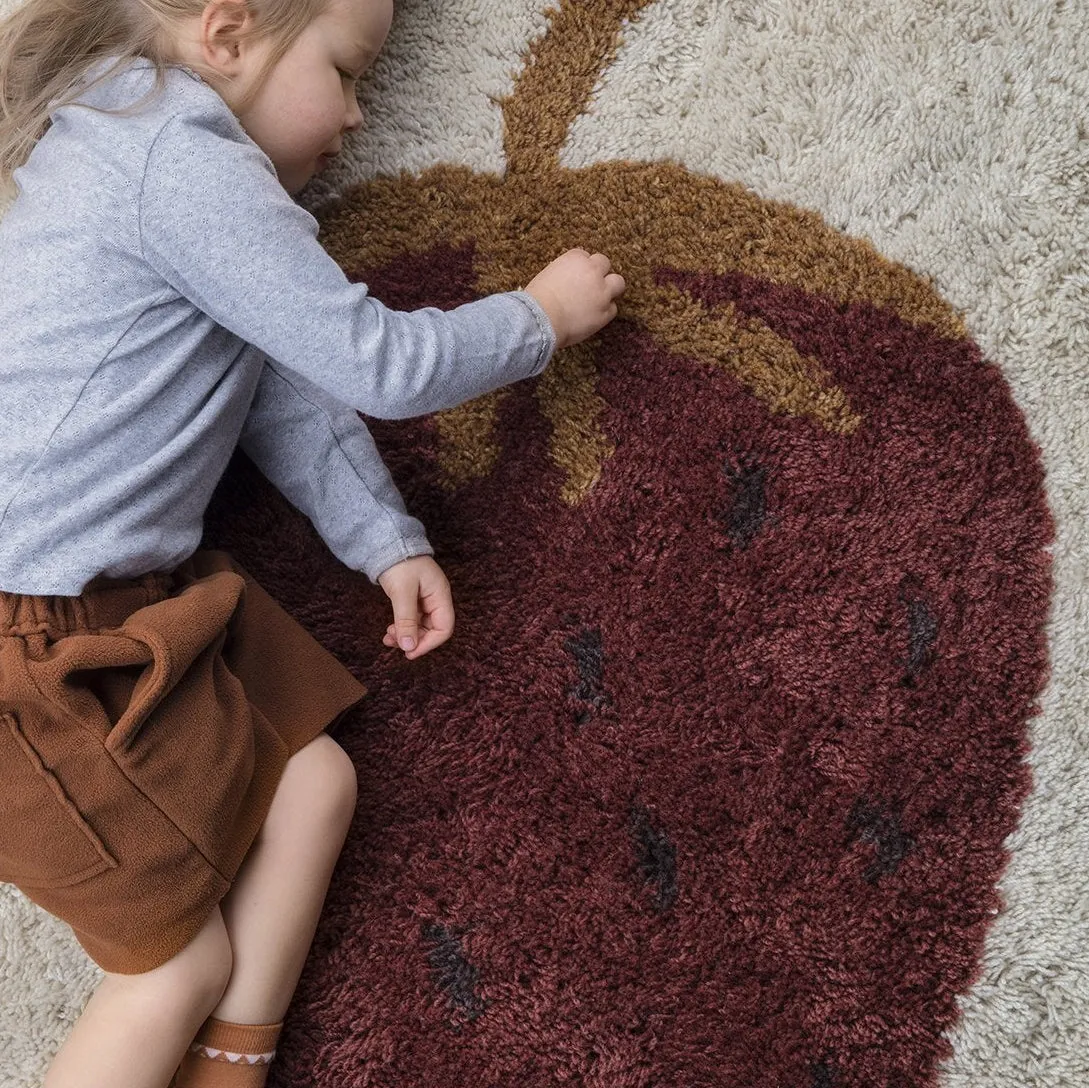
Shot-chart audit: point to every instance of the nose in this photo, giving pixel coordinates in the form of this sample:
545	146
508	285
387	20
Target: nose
353	115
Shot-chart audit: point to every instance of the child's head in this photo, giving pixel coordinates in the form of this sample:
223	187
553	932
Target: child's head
296	103
263	56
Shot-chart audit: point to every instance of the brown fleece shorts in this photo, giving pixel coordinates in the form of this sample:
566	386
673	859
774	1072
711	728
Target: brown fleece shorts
144	726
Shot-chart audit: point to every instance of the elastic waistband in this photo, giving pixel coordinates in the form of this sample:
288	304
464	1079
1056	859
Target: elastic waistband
104	603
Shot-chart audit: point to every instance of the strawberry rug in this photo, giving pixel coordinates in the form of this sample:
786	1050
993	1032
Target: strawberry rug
755	758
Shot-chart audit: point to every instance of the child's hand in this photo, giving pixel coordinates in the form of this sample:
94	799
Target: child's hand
578	292
423	610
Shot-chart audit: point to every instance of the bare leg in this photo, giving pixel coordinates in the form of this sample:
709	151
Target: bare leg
135	1028
272	909
245	963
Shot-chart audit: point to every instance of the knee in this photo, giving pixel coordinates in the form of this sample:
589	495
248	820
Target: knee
189	986
203	969
323	776
340	785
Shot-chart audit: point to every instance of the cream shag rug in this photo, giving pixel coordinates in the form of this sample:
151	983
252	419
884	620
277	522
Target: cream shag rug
954	135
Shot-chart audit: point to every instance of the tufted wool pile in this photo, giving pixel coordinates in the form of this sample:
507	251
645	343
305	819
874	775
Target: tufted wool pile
758	757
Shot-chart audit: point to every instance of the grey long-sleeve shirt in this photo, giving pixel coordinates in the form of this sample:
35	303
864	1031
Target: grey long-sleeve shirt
162	299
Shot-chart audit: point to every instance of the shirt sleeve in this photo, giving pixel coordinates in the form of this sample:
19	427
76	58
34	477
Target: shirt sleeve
218	226
319	453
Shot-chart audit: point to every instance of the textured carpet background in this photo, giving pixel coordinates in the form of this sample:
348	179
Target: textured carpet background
950	134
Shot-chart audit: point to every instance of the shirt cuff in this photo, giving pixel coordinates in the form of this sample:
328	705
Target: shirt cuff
544	325
397	551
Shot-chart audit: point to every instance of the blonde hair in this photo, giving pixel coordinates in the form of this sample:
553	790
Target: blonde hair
47	46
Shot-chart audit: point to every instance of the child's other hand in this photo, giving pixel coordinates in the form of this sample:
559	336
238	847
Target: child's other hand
578	291
423	609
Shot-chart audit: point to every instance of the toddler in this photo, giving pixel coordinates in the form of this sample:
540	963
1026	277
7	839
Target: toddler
166	784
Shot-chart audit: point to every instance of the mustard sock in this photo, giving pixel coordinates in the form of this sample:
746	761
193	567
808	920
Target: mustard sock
227	1055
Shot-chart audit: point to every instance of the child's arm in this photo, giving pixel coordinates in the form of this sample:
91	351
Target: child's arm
321	456
220	229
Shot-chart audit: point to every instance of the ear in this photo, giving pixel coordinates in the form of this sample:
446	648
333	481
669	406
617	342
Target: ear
224	25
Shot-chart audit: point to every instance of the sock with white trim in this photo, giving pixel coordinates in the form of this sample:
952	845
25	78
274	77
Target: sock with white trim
225	1055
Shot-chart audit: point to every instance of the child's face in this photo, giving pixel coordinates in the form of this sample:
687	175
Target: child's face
307	104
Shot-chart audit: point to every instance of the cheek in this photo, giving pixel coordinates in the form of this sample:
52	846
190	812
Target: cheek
319	120
297	116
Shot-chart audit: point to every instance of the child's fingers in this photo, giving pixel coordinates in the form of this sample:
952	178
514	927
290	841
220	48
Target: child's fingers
428	641
404	596
601	263
438	609
435	627
423	607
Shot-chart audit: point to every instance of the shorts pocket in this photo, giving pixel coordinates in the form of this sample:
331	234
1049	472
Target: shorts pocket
44	841
172	639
